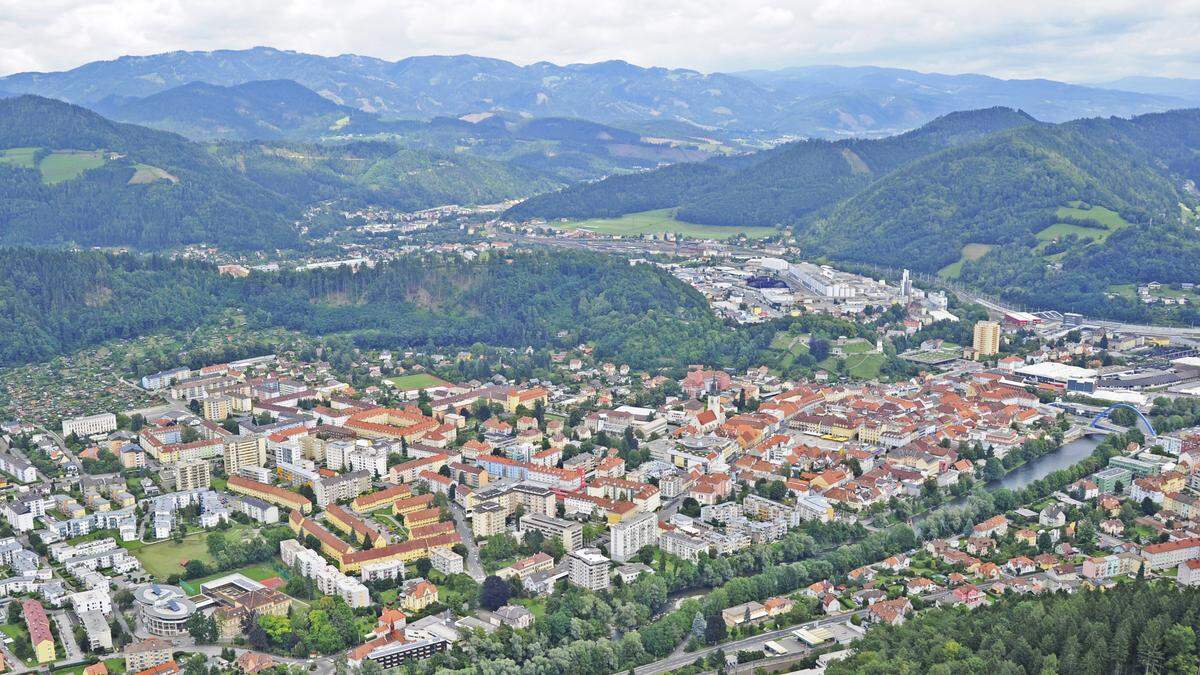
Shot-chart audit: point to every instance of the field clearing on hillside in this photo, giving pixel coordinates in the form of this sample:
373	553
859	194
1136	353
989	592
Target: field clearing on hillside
970	252
1106	217
1109	220
63	165
660	221
148	174
22	157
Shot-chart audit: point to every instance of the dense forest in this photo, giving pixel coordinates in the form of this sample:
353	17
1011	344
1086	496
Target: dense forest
136	186
68	175
379	173
639	312
55	302
788	184
1132	628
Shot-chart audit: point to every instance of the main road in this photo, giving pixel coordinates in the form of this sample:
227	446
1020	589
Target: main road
1185	332
640	247
680	660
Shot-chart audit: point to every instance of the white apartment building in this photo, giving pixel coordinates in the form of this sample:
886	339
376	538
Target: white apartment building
446	561
384	569
350	456
90	425
95	600
588	568
631	535
329	580
18	467
682	545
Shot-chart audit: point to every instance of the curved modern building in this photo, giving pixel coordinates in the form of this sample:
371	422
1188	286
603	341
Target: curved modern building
164	609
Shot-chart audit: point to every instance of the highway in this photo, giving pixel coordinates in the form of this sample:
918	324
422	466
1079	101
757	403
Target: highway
1185	332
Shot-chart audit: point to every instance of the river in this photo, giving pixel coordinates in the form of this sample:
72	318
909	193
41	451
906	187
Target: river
1072	453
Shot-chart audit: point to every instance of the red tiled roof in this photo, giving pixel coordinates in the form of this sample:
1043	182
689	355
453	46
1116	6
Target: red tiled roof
36	621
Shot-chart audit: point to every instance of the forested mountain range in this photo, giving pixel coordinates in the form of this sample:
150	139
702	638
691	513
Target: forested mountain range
54	302
265	110
818	101
1052	215
68	175
283	110
786	184
379	173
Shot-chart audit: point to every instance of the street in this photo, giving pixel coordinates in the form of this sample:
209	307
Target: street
473	566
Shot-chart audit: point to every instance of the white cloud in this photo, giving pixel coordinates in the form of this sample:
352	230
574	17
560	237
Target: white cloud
1089	41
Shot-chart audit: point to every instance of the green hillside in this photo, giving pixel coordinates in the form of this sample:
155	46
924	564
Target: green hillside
1050	215
55	302
379	173
788	185
66	176
1067	211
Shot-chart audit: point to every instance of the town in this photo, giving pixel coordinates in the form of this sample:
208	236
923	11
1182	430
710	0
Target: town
267	513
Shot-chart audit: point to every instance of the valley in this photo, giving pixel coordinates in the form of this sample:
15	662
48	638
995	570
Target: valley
450	365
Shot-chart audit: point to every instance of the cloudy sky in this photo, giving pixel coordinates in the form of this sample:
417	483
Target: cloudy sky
1069	40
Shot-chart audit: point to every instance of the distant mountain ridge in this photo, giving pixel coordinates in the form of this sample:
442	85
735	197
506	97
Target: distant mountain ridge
263	110
819	101
1052	215
783	185
284	110
69	175
1187	89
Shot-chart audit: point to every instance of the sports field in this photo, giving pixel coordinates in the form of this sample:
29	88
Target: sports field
255	572
415	381
164	558
864	366
661	221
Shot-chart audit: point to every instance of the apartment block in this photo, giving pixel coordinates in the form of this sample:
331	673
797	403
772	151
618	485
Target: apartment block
569	532
194	474
631	535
